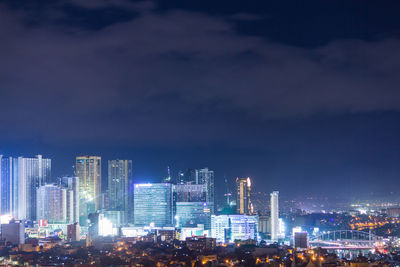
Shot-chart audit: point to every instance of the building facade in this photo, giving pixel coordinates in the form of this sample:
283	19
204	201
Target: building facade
274	215
71	184
191	206
20	177
73	232
13	232
52	203
229	228
88	169
7	185
119	179
206	176
153	205
243	200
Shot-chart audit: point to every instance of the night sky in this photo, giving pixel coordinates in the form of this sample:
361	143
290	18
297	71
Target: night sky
303	96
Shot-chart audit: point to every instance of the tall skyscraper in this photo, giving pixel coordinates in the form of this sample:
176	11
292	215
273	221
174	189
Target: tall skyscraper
274	215
52	203
44	169
119	178
19	179
29	174
243	200
206	176
7	185
88	169
72	185
153	205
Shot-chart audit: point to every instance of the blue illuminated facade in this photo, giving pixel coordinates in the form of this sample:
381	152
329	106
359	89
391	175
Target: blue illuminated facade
20	177
228	228
191	206
153	205
191	214
7	186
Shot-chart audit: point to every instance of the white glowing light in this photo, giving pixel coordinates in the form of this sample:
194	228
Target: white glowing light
248	182
5	219
297	229
105	227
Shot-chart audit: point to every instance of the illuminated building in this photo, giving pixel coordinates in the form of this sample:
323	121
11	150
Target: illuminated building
186	232
99	225
88	169
104	200
7	185
153	205
52	203
165	235
191	207
116	217
228	228
243	201
188	176
274	215
119	178
206	176
201	243
192	214
282	228
20	177
72	185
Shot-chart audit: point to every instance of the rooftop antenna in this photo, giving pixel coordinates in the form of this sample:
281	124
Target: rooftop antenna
168	178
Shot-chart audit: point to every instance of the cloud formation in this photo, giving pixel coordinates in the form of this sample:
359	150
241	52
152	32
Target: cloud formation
177	75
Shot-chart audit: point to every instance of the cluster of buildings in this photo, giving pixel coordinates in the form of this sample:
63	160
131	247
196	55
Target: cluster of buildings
174	220
76	204
20	179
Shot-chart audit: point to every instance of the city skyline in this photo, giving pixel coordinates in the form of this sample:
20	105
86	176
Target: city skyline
199	133
175	173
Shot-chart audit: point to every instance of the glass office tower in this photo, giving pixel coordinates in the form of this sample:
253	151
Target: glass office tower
191	207
206	176
7	186
119	179
153	205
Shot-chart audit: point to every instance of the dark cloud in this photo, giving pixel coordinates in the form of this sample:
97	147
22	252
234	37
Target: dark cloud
178	70
130	73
